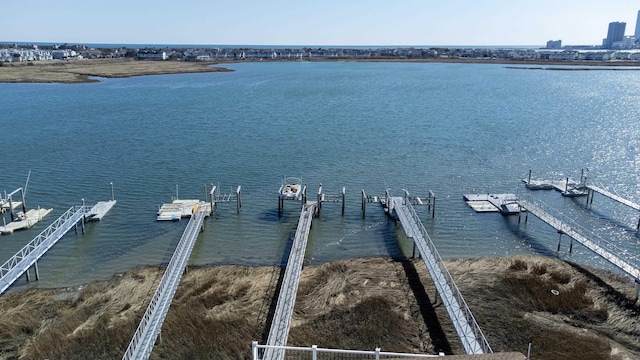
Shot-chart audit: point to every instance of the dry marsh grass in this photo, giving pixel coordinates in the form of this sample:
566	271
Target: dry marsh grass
81	71
357	304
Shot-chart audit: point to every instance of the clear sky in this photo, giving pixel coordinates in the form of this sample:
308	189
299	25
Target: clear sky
322	22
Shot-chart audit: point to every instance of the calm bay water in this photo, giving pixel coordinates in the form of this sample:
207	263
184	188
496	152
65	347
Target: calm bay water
449	128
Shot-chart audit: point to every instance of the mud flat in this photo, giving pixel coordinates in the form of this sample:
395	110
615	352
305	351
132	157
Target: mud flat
566	311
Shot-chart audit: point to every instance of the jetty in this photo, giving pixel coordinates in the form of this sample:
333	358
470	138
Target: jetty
28	256
466	326
583	236
149	328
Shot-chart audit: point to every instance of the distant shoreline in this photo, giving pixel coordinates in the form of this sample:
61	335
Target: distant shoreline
84	71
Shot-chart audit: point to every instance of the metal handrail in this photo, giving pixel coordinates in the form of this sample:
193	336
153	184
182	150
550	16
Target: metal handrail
468	316
315	351
567	224
173	272
51	233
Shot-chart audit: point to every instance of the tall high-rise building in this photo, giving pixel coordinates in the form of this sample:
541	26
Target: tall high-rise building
615	33
636	34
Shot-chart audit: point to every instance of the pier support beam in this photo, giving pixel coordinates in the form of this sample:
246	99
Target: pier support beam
35	268
343	196
238	198
364	203
560	232
570	246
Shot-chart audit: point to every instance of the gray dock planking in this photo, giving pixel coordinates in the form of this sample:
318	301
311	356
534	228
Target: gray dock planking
564	228
148	330
465	324
281	322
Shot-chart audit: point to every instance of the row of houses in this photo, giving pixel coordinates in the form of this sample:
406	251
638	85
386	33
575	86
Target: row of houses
209	54
17	55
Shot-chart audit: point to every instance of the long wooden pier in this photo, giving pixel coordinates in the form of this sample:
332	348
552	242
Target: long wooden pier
149	328
564	228
465	324
281	322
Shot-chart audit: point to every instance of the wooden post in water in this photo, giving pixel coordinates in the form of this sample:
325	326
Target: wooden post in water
28	276
344	190
364	205
113	198
35	268
319	199
433	208
24	206
529	179
238	198
566	186
559	238
570	245
82	220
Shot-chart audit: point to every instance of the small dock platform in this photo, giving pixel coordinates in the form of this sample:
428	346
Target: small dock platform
99	210
8	206
179	209
507	204
25	220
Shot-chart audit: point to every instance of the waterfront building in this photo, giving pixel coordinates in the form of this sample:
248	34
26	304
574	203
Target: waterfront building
554	44
615	35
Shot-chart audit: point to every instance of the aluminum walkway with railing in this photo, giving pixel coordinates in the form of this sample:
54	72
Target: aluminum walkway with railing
28	256
564	227
465	324
286	300
149	328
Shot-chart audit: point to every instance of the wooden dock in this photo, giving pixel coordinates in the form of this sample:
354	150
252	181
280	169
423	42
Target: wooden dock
25	221
177	210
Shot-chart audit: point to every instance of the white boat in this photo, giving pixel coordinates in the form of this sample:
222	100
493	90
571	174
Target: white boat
291	188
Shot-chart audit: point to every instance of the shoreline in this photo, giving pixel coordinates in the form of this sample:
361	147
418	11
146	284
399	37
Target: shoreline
84	71
357	304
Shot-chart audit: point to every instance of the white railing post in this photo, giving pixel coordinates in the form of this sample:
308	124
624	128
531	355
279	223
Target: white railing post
314	352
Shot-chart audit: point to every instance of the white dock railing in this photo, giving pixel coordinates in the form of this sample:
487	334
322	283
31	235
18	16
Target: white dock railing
465	324
149	328
314	353
19	263
281	322
565	225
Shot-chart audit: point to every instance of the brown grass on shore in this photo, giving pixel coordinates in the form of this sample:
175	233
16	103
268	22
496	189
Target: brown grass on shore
81	71
355	304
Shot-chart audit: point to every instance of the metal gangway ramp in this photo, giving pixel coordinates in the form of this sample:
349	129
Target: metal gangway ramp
149	328
28	256
281	322
564	228
465	324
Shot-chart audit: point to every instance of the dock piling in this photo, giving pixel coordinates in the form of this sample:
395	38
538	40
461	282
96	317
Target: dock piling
344	190
35	268
560	232
113	198
238	198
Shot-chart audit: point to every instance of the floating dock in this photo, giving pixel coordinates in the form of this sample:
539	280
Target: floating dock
99	210
177	210
25	221
507	204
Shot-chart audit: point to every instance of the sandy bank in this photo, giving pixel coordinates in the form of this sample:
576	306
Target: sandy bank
80	71
356	304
